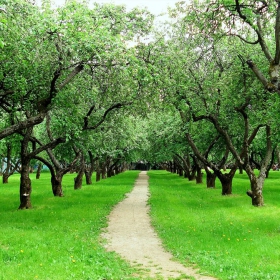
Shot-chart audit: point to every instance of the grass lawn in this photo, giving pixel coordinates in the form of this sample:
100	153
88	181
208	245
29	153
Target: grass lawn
224	235
59	237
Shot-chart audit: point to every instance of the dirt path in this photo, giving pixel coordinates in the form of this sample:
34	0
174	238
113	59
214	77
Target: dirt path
130	234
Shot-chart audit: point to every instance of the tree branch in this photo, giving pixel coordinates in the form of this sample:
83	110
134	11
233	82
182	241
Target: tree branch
44	161
75	72
260	76
103	118
50	145
22	125
277	35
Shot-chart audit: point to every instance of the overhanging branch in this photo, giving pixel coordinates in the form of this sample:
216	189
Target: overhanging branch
103	118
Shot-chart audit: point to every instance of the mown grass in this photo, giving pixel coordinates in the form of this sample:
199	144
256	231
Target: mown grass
224	236
60	237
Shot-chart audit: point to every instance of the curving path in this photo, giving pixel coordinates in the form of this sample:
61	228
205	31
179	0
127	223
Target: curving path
130	234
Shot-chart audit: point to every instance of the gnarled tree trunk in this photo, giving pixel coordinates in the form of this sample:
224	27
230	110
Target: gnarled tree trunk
56	181
226	179
256	182
256	193
226	182
210	178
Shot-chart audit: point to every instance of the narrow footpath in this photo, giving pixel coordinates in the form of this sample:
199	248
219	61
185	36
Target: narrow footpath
131	235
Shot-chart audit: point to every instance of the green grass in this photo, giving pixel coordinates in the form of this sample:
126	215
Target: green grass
60	237
224	236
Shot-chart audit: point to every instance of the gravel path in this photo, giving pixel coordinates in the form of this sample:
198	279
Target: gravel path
130	234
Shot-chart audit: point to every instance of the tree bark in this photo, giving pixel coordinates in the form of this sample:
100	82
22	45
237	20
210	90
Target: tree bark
103	171
226	181
88	176
117	170
89	169
78	181
25	182
256	192
11	166
98	171
98	176
199	175
57	172
56	181
210	178
25	186
5	178
6	173
39	169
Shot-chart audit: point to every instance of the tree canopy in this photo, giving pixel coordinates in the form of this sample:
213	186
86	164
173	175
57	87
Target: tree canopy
81	91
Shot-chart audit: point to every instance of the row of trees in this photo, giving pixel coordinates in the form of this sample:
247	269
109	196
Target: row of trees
63	73
79	89
213	77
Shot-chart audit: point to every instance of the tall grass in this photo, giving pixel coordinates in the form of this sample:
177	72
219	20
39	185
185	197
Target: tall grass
60	237
224	235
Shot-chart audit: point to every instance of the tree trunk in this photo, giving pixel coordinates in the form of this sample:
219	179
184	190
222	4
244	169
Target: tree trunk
180	172
109	173
199	175
191	176
98	176
88	175
56	181
25	182
210	179
5	178
103	171
25	187
256	192
226	182
78	181
117	170
89	168
10	166
39	169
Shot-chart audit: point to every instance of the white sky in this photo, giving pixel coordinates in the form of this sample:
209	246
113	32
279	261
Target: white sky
154	6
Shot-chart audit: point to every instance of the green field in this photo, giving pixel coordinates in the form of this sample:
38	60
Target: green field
223	235
59	238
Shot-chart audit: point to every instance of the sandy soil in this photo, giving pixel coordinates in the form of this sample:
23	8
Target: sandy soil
130	234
